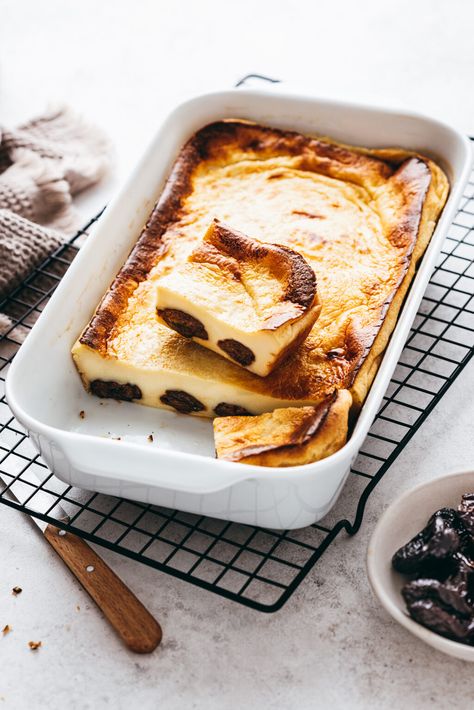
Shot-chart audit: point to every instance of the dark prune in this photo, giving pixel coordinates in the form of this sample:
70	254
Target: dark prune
182	401
115	390
237	351
466	515
454	593
436	617
224	409
432	549
467	504
184	323
442	557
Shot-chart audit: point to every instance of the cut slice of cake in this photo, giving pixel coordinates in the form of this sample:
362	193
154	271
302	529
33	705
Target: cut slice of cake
285	437
252	302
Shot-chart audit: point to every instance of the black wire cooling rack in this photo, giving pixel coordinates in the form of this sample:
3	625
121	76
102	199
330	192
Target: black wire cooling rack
256	567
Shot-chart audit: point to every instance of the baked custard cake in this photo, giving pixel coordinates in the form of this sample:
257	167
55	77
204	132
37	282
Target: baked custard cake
285	437
249	301
360	218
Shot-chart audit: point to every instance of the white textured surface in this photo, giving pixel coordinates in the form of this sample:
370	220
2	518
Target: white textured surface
123	64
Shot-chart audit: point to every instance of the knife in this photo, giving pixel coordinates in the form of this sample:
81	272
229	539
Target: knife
137	628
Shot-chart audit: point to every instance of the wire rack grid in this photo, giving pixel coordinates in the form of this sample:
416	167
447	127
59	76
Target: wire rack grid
256	567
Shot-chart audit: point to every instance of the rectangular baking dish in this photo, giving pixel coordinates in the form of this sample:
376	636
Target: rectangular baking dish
109	450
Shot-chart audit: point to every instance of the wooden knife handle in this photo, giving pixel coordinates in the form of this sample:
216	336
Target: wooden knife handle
130	619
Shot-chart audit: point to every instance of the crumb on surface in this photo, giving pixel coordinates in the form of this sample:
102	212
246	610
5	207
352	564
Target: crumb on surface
16	591
78	608
34	645
82	414
116	438
150	438
6	629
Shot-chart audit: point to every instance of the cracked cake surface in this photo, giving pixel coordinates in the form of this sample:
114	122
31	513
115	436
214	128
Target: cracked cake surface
360	218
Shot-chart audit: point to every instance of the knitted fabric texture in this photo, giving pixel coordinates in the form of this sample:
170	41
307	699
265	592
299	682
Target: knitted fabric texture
43	163
23	245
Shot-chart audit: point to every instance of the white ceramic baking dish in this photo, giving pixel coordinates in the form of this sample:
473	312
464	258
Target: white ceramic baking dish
178	468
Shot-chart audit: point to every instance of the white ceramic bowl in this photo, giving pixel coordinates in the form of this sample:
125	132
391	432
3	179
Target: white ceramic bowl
400	522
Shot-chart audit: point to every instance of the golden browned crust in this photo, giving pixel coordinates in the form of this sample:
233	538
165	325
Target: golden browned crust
146	252
412	188
288	266
207	144
227	248
285	437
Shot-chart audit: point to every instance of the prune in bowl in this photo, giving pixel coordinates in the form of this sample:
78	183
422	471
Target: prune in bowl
432	581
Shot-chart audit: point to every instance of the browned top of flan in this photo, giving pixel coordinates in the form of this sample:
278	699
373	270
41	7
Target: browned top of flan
289	278
392	184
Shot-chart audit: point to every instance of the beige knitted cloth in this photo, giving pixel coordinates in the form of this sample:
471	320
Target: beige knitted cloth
43	163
